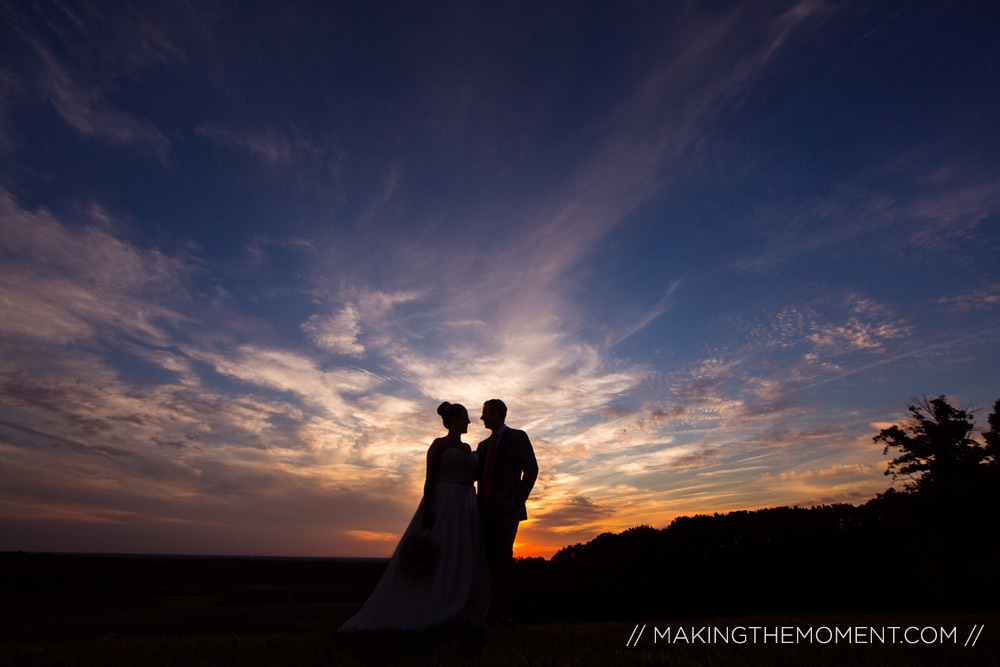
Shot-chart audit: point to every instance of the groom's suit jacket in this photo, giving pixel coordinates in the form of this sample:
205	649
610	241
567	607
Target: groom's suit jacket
514	471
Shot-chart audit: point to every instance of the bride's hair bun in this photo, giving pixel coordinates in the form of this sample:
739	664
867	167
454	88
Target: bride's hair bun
448	410
444	410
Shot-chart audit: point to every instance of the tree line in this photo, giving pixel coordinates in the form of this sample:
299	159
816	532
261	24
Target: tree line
930	546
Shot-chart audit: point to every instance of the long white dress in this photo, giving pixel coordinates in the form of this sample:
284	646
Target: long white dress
457	591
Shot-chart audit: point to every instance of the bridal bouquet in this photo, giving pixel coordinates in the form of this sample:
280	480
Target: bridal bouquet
416	554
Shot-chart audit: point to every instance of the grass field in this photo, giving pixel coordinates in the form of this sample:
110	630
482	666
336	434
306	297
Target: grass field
71	610
199	628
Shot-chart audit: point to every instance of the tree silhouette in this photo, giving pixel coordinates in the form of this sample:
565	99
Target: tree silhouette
940	543
936	445
992	437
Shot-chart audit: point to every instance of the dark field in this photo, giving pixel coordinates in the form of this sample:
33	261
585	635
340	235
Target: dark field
75	610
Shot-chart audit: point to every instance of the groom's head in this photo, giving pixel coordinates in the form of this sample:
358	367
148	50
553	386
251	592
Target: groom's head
494	414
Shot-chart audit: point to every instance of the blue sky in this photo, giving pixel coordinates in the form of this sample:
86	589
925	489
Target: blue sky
704	251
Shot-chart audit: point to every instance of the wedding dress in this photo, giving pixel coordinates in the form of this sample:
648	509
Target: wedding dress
456	590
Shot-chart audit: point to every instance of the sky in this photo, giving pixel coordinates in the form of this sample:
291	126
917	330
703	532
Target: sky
704	251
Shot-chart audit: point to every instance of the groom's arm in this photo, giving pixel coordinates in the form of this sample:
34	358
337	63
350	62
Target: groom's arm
481	456
529	467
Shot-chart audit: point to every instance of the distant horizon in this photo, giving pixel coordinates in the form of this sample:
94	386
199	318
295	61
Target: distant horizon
518	552
179	555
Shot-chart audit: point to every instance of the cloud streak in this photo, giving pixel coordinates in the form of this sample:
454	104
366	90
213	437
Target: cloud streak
85	109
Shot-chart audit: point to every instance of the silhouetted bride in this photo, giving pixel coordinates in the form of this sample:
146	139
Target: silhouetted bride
443	580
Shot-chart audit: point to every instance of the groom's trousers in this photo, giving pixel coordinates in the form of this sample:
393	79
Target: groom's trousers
499	530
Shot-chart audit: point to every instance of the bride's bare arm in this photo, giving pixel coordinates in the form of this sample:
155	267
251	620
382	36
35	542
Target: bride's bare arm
433	464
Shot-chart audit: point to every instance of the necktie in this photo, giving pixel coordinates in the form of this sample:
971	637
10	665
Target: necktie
490	458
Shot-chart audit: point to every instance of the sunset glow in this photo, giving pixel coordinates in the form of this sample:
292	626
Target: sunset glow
703	253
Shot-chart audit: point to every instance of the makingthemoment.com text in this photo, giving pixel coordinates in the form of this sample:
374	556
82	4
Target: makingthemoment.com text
803	635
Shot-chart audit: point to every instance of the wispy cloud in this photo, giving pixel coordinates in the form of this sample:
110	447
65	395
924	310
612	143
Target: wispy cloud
129	38
794	229
868	327
933	210
952	211
62	284
84	58
337	333
291	372
983	297
269	144
645	318
653	128
85	108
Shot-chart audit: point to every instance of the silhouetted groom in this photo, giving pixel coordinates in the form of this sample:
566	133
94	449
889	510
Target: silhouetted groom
507	471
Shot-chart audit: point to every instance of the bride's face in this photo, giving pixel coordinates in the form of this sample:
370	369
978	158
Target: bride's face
460	422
